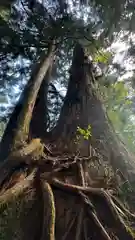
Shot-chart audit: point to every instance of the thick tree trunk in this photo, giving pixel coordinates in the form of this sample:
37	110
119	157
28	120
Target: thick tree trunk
53	189
83	106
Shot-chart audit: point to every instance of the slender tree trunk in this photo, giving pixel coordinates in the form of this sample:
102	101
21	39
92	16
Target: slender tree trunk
83	106
17	130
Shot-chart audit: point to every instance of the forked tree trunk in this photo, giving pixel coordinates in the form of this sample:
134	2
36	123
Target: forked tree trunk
83	106
48	197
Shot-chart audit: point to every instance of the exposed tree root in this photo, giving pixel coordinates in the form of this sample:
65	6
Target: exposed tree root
49	206
34	153
75	189
85	230
81	214
99	226
25	155
118	221
16	190
85	195
79	224
122	208
69	228
21	155
48	230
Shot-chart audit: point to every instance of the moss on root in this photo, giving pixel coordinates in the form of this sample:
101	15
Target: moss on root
18	216
9	220
24	204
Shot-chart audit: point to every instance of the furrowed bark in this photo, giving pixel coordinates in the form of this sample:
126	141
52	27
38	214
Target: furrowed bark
17	130
83	106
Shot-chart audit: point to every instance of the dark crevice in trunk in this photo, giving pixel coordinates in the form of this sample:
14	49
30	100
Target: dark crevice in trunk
38	125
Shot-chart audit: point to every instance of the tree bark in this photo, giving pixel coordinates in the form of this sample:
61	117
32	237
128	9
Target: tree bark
83	106
17	130
38	125
54	189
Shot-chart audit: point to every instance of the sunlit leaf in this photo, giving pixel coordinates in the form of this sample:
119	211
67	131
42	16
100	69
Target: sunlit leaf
102	57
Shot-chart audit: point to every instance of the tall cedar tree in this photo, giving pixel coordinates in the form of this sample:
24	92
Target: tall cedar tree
55	185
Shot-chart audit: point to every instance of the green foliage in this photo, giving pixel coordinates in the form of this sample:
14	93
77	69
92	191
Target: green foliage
5	14
116	96
132	232
86	133
102	57
119	109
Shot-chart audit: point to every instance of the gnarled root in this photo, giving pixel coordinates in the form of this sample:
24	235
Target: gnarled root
48	229
18	157
118	222
91	200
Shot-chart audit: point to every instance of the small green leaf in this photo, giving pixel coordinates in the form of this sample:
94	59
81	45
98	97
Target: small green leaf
102	57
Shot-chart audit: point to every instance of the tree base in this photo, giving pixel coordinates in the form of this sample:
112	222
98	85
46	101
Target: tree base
46	203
